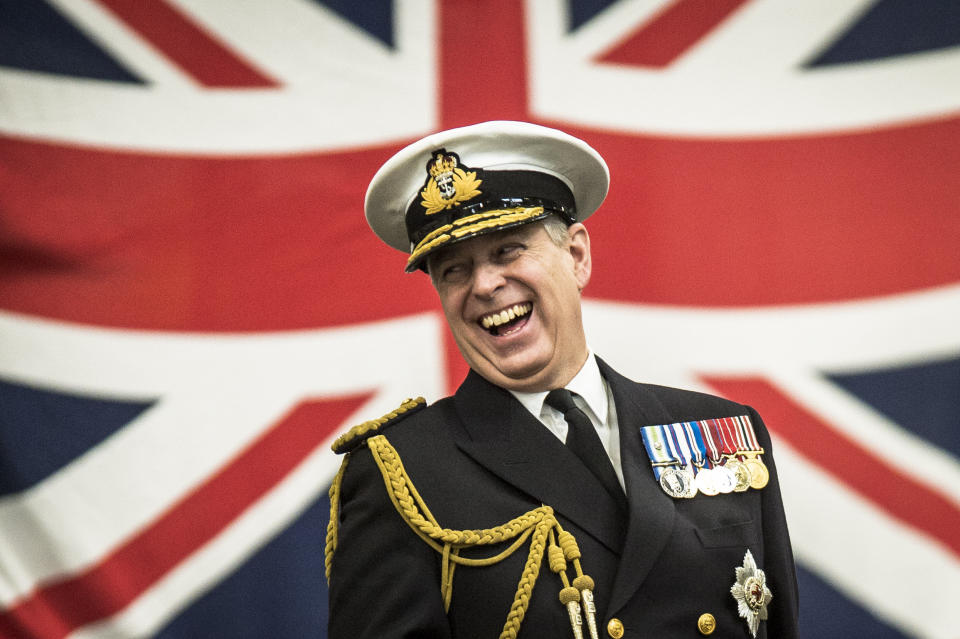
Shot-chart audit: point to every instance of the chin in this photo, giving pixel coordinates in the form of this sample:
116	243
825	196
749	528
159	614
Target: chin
519	371
526	380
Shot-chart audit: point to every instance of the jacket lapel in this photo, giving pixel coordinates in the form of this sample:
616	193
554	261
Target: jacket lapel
501	435
651	511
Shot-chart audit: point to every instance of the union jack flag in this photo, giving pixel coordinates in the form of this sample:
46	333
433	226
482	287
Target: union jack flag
192	307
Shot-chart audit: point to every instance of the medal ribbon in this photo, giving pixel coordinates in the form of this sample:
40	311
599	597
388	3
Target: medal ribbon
658	449
708	437
732	443
746	429
724	443
688	447
695	440
682	454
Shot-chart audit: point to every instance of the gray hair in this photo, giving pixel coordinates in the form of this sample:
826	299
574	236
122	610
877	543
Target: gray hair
556	228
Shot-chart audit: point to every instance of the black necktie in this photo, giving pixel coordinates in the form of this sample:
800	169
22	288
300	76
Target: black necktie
583	440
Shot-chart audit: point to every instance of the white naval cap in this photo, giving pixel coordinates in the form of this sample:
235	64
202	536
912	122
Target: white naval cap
457	184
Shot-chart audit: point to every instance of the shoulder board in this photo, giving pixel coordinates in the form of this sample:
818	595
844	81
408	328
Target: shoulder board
361	432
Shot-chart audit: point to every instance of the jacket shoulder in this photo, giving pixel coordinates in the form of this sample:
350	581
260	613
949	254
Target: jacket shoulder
688	405
364	431
683	404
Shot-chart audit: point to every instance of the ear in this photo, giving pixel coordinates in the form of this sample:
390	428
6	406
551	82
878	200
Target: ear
579	248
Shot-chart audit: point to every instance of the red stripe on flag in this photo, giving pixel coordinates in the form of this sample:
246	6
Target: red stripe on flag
456	367
660	41
830	449
197	52
58	608
482	62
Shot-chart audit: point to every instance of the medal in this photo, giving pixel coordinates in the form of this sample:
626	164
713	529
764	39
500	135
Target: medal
675	480
725	478
759	474
690	482
704	476
741	474
706	482
662	461
679	448
751	593
733	446
710	456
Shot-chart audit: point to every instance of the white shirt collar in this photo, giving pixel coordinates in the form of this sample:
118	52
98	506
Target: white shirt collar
587	383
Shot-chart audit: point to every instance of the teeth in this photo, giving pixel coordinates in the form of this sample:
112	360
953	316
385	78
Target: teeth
504	316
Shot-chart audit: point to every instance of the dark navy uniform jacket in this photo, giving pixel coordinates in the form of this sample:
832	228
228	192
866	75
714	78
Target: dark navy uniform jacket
480	458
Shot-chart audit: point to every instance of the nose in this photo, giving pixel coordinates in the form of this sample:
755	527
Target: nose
487	280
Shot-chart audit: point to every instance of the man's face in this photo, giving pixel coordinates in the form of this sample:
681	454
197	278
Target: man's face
512	300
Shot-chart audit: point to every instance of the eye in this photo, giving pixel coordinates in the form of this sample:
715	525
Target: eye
509	251
453	272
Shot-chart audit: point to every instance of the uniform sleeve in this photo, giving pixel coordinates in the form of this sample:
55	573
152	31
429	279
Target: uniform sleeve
384	580
778	555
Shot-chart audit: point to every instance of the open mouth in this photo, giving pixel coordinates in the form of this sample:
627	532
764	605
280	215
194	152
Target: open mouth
508	320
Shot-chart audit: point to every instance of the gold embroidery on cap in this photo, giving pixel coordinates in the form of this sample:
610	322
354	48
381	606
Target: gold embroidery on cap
444	234
448	184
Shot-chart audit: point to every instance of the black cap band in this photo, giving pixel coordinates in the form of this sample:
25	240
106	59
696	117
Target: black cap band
500	190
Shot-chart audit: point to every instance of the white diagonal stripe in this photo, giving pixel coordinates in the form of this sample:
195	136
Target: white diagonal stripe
217	559
331	76
773	36
904	577
216	395
742	79
124	44
885	439
843	336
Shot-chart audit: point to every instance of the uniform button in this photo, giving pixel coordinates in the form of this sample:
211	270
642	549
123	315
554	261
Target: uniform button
615	628
706	624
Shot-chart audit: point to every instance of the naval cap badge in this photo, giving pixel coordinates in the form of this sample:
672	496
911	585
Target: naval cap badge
448	183
751	593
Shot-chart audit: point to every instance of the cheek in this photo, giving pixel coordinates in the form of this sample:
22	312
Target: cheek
449	312
452	305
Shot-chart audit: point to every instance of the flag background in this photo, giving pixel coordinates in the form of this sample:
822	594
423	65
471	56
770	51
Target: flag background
192	306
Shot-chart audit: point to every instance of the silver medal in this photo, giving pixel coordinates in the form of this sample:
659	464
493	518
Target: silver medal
706	482
690	481
725	480
674	483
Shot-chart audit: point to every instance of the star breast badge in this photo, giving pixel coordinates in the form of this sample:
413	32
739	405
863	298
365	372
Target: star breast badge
751	593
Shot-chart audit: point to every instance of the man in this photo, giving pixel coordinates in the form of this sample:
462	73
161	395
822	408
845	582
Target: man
518	508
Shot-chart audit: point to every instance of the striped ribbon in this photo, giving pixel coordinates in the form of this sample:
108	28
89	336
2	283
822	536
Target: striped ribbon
658	449
746	430
695	439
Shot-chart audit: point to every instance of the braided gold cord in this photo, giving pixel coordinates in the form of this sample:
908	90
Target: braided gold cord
570	550
537	525
374	424
558	562
333	524
521	600
446	583
415	512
